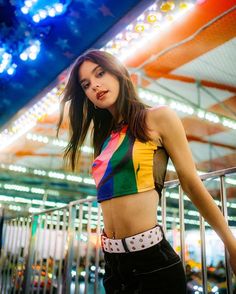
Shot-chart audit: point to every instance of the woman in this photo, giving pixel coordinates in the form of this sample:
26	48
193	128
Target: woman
128	137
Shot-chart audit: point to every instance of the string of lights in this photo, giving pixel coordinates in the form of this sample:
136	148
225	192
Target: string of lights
47	173
45	106
146	27
50	104
154	98
38	11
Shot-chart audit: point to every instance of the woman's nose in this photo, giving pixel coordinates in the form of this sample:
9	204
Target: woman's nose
96	86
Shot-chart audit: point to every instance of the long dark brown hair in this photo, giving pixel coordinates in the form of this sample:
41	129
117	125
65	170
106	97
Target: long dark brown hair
82	111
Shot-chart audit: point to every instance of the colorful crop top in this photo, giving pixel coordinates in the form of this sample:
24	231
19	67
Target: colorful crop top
125	166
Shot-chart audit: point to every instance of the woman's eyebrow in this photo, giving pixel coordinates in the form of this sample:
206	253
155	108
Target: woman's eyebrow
95	68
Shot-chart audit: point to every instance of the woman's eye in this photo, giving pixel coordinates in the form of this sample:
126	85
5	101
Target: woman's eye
101	73
85	86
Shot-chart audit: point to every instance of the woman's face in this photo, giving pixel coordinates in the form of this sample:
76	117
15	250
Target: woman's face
101	87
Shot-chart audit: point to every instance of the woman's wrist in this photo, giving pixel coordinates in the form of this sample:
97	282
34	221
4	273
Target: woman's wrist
231	245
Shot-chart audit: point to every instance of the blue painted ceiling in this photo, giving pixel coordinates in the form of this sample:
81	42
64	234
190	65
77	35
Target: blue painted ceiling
84	24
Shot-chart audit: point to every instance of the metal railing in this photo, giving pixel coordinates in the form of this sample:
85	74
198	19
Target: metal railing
58	250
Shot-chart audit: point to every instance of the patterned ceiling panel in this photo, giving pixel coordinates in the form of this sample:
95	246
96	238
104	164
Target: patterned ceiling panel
203	152
228	137
188	91
217	65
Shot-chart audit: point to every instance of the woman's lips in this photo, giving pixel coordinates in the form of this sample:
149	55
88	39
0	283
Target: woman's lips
101	94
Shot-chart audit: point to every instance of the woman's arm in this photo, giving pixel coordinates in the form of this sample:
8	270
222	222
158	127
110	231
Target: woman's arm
174	140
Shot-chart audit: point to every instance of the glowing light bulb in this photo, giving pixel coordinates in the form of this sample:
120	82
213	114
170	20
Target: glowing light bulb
10	71
167	6
24	9
36	18
151	18
34	48
42	14
23	56
28	3
32	55
6	55
52	12
139	28
58	7
183	5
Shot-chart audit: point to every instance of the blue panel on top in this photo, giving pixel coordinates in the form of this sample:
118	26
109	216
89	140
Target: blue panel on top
83	25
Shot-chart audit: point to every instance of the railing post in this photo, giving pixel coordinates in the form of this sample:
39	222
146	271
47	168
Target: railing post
50	222
181	222
98	232
69	247
9	256
30	258
42	224
1	229
203	254
79	232
163	210
3	252
87	261
57	227
60	281
225	213
15	255
25	247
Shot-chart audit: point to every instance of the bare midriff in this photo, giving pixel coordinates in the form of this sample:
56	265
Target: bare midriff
130	214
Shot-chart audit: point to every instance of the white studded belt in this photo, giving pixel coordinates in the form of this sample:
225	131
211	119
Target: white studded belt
137	242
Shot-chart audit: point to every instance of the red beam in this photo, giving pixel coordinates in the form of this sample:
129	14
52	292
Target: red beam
198	139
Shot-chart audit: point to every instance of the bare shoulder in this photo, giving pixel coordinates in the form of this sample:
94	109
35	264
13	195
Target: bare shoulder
161	117
161	112
156	118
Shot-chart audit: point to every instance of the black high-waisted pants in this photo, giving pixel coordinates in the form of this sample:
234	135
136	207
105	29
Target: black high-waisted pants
156	270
